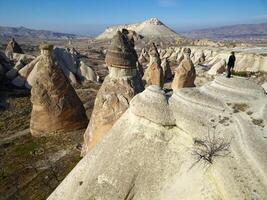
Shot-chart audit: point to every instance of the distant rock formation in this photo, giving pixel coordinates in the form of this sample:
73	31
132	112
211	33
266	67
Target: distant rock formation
150	29
21	61
155	150
247	59
56	106
143	57
154	72
72	66
118	88
185	73
167	72
68	60
201	58
12	47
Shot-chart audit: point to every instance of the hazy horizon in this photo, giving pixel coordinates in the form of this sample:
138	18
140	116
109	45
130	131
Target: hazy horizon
91	18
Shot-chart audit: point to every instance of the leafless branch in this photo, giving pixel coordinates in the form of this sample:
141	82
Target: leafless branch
208	148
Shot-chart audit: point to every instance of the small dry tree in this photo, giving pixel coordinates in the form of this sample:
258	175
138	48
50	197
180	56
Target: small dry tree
210	147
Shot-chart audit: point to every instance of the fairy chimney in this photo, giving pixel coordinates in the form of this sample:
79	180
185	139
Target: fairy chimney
118	88
185	73
55	104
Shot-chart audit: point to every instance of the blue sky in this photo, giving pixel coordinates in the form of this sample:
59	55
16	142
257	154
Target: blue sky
92	16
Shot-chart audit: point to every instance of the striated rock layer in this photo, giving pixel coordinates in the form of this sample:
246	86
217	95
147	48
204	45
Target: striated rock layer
148	153
56	106
118	88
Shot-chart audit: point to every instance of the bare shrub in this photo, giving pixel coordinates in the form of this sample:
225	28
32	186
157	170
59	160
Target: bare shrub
208	148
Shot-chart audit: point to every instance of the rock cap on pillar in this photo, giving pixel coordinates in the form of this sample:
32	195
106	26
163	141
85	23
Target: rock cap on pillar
120	53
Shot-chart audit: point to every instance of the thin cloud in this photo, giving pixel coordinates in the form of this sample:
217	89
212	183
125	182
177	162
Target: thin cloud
167	3
260	17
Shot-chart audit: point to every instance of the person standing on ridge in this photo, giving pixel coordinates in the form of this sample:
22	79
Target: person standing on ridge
230	64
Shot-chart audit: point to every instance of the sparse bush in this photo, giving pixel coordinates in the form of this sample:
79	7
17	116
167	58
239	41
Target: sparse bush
208	148
244	73
240	107
240	73
258	122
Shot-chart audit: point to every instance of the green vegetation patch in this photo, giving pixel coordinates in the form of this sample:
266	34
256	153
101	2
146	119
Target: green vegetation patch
16	117
238	107
258	122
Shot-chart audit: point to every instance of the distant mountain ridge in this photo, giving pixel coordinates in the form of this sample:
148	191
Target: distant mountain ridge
23	32
151	29
233	32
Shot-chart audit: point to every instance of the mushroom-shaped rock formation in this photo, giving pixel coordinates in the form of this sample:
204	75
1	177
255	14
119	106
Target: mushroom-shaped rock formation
201	58
56	106
153	66
185	73
161	148
132	37
12	47
118	88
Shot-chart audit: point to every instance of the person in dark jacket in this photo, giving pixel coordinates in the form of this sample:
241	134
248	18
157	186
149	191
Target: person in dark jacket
230	64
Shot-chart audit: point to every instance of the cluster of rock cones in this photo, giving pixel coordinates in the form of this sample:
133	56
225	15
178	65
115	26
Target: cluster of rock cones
19	68
139	141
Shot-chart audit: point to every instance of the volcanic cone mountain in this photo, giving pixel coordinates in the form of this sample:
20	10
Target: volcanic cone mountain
150	29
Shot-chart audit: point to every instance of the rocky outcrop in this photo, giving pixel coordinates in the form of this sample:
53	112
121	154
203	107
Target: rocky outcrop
5	64
55	104
21	61
68	60
206	42
12	47
185	73
118	88
143	57
218	68
150	152
201	58
154	72
247	59
167	72
264	85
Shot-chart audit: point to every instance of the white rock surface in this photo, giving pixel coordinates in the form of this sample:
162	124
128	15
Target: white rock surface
245	60
218	68
70	64
86	72
264	85
149	28
148	152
